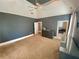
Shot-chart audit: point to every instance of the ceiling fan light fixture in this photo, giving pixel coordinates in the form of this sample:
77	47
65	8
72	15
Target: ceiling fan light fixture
37	4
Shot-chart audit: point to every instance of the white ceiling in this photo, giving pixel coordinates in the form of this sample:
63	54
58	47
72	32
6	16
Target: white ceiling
18	7
59	7
72	3
24	8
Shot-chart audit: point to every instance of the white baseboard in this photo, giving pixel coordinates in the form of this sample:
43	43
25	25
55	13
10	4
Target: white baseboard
15	40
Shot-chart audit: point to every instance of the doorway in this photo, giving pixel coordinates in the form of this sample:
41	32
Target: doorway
38	27
62	27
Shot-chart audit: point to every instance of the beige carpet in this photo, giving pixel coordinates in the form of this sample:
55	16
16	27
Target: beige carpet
35	47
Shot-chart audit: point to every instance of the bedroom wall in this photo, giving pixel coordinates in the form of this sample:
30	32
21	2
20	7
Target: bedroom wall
15	26
51	22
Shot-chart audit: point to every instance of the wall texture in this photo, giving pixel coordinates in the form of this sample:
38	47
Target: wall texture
51	22
14	26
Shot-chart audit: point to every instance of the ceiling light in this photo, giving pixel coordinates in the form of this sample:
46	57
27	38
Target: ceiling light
37	4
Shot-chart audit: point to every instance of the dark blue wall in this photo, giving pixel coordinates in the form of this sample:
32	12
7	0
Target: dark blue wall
51	22
14	26
77	16
78	19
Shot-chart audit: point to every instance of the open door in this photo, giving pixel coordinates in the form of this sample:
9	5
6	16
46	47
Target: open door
62	27
37	27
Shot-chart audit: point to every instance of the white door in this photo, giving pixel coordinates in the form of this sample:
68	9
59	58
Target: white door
37	27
